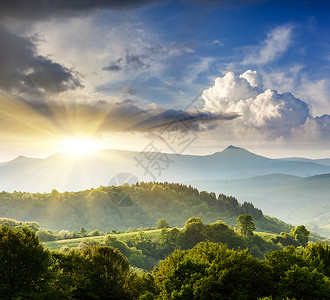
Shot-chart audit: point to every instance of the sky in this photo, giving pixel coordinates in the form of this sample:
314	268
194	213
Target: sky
128	74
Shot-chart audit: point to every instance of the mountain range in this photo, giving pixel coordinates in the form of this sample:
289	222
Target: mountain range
293	199
293	189
66	172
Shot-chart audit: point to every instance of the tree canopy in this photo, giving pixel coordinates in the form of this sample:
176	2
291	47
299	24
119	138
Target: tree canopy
246	225
162	223
301	234
207	271
24	262
111	207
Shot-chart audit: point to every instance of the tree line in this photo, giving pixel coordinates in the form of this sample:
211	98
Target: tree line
123	207
145	247
208	270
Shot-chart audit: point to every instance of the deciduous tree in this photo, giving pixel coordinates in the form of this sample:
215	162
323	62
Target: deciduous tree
301	234
23	263
245	225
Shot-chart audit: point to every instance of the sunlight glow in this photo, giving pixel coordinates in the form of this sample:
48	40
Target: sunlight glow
80	146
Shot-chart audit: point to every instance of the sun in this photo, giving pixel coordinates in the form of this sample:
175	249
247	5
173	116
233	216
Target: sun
80	146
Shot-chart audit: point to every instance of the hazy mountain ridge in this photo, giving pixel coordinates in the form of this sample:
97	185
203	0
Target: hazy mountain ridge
322	161
67	172
293	199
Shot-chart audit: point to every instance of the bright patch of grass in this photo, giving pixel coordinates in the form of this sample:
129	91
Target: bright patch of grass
71	243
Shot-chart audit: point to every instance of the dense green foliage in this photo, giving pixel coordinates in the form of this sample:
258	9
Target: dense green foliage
194	232
23	263
122	207
207	271
205	259
301	234
147	252
35	226
97	272
211	271
162	223
46	235
144	249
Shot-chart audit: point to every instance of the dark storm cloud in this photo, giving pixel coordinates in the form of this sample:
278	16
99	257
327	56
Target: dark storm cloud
22	70
113	67
124	116
229	1
190	121
41	9
128	116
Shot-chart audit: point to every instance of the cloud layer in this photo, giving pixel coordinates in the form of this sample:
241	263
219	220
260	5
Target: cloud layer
266	114
24	71
49	50
40	9
38	118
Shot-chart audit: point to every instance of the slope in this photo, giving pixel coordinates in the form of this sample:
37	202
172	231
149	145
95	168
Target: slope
294	199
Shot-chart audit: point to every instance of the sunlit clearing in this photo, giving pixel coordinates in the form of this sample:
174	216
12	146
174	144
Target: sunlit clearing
80	146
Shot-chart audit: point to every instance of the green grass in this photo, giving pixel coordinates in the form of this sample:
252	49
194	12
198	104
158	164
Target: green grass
265	235
71	243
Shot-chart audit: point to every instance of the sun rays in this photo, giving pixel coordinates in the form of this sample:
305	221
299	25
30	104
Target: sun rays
51	127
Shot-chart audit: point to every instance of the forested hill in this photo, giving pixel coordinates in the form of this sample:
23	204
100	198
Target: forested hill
123	207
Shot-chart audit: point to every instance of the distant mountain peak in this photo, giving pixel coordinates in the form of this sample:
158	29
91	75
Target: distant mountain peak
231	147
239	154
233	151
21	157
237	150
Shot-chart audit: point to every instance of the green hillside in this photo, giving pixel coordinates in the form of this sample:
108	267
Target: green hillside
120	208
293	199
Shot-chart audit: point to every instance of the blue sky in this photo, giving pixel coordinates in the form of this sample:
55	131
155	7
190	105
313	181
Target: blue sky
102	69
219	37
238	27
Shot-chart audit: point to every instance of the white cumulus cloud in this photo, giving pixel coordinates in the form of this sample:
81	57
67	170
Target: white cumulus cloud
268	112
314	130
